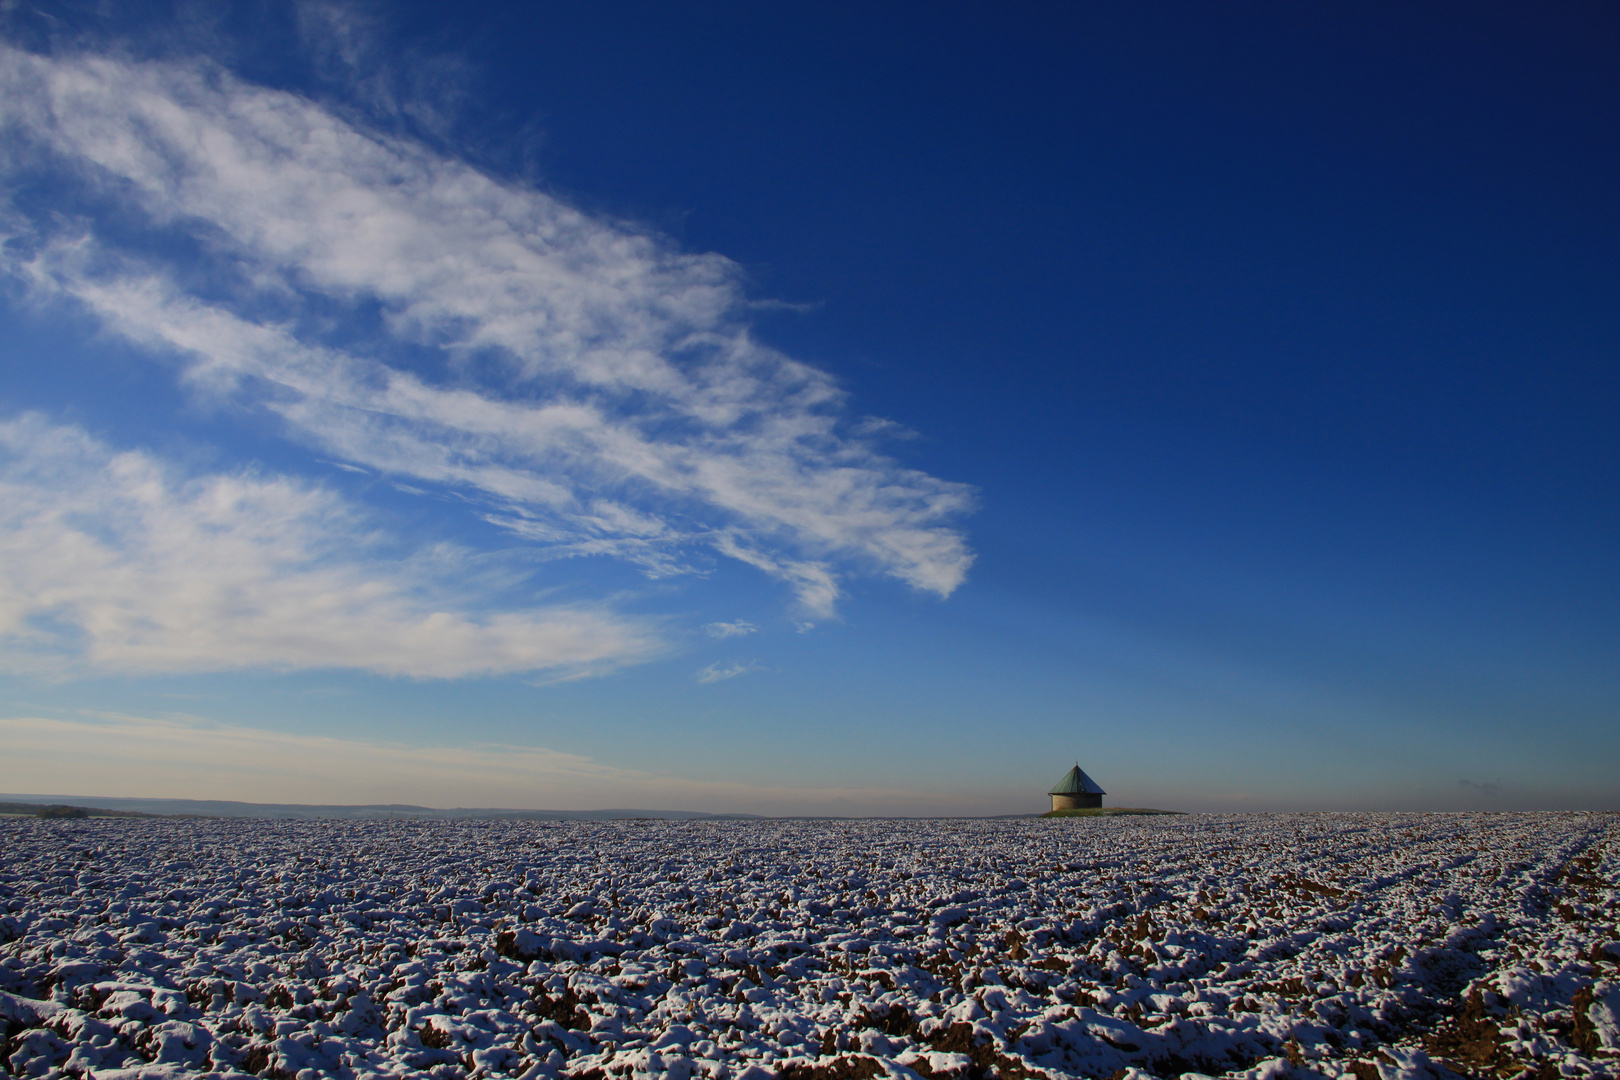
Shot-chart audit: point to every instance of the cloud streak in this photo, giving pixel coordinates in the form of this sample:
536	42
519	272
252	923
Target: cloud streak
723	630
720	671
192	757
112	562
597	390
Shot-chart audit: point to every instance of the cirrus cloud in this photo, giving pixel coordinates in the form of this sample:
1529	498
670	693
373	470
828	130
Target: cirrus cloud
111	561
598	391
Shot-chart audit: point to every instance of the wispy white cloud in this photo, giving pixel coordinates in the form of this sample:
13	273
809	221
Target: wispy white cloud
597	388
814	583
720	671
111	561
740	628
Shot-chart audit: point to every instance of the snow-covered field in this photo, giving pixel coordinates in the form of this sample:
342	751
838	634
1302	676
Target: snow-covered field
1334	944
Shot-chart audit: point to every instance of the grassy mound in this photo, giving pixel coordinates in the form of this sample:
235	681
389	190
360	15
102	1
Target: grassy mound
1106	811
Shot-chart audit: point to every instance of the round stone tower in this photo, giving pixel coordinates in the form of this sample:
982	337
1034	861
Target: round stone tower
1076	791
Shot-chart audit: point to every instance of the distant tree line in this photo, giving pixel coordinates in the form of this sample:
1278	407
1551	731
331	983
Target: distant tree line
62	810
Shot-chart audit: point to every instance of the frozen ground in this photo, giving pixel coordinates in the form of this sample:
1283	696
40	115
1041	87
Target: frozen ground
1263	946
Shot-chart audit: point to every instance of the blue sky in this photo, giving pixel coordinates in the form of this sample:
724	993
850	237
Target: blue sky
821	409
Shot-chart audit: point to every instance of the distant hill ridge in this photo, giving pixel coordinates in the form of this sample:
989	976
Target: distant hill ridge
99	806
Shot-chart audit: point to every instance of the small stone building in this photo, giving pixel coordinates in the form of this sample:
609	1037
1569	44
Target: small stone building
1076	791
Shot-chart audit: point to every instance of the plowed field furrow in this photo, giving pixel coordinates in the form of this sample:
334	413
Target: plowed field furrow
1337	945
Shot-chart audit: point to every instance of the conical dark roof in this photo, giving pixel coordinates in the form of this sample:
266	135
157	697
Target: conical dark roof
1076	782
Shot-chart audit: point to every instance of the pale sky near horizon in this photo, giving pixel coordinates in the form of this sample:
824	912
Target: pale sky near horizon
836	409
